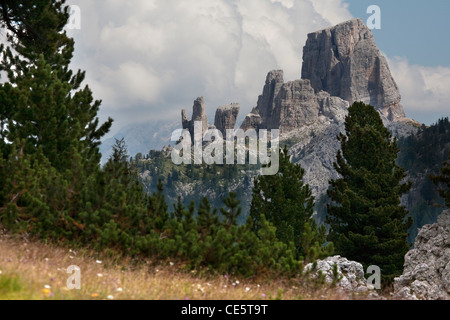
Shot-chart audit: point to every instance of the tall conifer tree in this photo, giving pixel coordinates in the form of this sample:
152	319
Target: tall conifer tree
368	223
49	123
443	180
287	202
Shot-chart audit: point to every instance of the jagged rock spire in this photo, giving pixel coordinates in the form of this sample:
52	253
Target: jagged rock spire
199	114
345	62
226	117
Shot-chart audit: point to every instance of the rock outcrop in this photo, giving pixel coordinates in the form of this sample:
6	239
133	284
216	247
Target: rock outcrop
263	116
310	120
427	267
316	153
226	117
291	106
252	121
349	277
199	114
345	62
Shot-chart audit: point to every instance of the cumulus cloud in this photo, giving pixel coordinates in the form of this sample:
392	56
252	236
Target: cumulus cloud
425	90
331	10
147	59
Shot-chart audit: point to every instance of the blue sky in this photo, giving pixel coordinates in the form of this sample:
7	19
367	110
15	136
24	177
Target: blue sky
416	29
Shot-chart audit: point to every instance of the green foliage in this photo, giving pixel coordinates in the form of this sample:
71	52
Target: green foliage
425	150
367	222
36	28
10	285
121	204
313	242
422	155
224	246
49	128
444	180
232	211
287	203
52	185
335	276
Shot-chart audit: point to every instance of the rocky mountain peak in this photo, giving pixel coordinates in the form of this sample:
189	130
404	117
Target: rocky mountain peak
199	114
226	117
342	61
345	62
292	105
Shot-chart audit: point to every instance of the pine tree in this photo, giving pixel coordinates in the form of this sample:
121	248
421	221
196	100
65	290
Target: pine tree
207	219
232	211
121	203
49	108
444	180
50	120
158	208
286	202
368	223
34	26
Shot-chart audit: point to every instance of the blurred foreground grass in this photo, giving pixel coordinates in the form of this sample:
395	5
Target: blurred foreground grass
36	271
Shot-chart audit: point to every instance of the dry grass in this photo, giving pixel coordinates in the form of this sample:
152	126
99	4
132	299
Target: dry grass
36	271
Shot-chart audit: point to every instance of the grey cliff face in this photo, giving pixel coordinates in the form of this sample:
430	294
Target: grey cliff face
199	114
427	267
264	116
290	106
252	121
345	62
266	102
298	105
226	117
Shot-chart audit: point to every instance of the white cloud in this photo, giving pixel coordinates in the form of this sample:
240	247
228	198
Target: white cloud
148	59
332	10
425	90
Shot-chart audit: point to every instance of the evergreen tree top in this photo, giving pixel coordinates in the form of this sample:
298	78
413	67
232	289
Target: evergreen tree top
37	27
